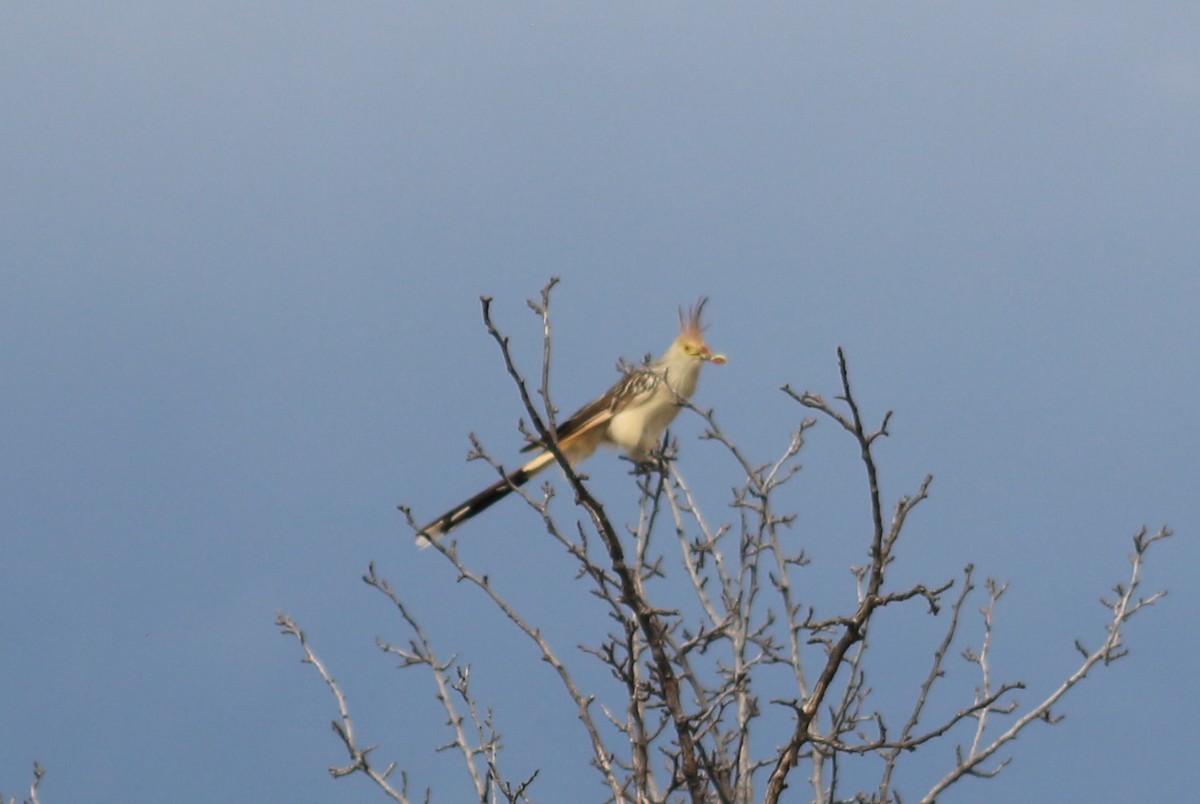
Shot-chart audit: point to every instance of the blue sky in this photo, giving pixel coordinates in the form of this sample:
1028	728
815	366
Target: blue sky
242	247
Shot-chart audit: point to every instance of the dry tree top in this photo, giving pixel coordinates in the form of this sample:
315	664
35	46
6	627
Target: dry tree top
695	681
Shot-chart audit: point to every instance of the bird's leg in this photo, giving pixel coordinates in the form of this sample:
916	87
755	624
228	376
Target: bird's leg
654	461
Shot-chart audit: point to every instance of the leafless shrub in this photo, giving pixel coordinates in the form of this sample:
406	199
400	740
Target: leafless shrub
699	678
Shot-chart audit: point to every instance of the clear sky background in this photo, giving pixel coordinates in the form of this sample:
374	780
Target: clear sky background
241	249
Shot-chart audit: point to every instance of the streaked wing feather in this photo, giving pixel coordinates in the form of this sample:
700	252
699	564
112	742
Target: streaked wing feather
631	390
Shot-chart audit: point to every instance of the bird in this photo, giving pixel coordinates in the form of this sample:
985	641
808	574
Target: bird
632	416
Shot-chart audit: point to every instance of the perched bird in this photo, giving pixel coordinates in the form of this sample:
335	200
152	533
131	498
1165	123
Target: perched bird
631	415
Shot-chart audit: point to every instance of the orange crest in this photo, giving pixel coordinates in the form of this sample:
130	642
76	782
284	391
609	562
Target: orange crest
691	326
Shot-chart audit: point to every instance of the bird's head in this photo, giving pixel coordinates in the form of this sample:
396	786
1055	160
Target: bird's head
691	334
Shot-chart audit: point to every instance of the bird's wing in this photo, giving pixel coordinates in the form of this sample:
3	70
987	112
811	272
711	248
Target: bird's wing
630	391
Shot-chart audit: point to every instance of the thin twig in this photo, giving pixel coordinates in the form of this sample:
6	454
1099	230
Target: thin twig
1123	607
421	652
344	726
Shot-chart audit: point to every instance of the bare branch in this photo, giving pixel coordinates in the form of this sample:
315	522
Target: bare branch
421	653
1122	609
344	726
880	556
601	755
38	773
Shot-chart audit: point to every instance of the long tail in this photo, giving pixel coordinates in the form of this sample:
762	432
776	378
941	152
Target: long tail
483	500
